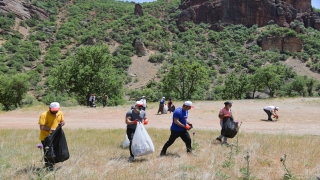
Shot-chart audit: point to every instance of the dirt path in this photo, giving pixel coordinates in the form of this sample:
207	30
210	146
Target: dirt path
297	116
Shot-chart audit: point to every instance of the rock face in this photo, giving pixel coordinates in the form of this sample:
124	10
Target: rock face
247	12
138	10
291	44
141	50
22	10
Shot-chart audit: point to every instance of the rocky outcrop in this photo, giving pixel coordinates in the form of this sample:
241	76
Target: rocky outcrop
138	10
246	12
22	10
291	44
141	50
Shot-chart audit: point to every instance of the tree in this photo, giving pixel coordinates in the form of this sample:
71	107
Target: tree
185	78
310	86
298	85
89	71
270	77
255	84
235	87
13	89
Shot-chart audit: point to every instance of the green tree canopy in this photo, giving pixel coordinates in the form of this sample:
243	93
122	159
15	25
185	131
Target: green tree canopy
185	78
89	71
13	89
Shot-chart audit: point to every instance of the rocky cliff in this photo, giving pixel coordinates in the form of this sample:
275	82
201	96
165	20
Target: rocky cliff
248	12
22	10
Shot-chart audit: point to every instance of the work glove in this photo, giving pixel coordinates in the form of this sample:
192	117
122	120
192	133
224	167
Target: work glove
275	116
191	126
187	127
146	121
135	121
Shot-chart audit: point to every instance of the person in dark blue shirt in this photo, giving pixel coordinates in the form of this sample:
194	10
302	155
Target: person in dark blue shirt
179	128
161	105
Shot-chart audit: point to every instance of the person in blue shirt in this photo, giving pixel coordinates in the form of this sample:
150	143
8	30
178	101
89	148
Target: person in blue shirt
179	128
161	105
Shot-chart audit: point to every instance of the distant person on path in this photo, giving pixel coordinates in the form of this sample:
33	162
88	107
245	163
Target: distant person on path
48	122
144	101
104	100
92	100
179	128
271	110
224	113
132	118
170	105
161	105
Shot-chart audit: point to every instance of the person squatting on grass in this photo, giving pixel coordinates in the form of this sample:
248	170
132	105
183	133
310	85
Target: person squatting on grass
48	122
133	117
271	110
179	128
224	113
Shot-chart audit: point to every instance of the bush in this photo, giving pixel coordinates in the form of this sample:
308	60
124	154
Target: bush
156	58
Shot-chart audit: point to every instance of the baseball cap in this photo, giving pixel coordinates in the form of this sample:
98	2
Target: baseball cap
139	103
188	103
227	102
277	108
163	97
54	106
143	96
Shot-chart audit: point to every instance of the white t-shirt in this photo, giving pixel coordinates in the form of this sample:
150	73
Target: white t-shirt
269	108
144	102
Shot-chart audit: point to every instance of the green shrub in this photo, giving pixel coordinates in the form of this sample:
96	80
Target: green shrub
156	58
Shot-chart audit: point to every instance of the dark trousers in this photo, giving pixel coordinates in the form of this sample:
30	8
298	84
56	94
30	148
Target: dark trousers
184	135
104	103
47	163
130	133
269	114
160	108
144	108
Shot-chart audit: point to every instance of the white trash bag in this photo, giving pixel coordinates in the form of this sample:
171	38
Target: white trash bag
165	109
141	142
126	143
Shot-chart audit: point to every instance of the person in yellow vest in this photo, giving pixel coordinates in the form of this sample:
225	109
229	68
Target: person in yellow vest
48	122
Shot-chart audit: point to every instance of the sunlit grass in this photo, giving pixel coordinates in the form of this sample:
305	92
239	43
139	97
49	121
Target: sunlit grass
96	154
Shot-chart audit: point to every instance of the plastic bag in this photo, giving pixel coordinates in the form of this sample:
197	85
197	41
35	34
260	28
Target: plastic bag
126	142
165	109
229	128
141	142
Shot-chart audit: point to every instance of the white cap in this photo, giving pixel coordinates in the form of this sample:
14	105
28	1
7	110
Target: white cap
188	103
163	97
54	106
143	96
277	108
138	103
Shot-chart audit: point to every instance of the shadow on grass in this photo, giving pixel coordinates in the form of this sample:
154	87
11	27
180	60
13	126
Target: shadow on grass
35	170
175	155
121	158
266	120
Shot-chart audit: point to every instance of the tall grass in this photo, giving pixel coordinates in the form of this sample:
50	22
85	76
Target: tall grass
96	154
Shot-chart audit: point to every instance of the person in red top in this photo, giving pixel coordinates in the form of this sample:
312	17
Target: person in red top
224	113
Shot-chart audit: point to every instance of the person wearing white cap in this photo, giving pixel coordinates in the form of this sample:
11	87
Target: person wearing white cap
133	117
161	105
144	102
48	122
271	110
179	128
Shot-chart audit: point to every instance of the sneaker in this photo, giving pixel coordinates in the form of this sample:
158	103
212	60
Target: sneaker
225	143
218	139
131	158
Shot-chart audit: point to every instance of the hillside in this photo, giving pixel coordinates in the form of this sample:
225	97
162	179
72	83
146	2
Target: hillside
46	34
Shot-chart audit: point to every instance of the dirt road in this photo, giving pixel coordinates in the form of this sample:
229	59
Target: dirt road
297	116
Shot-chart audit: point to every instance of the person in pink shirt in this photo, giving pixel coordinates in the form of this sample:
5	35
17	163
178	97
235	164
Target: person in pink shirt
224	113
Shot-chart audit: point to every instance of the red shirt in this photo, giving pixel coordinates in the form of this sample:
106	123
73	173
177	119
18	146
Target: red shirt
223	112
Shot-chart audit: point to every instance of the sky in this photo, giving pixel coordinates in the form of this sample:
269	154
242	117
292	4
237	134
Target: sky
316	3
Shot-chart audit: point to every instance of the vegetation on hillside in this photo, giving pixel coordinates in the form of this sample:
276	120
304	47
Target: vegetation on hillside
230	69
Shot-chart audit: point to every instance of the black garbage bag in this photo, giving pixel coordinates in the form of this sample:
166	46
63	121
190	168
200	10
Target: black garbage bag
229	128
56	147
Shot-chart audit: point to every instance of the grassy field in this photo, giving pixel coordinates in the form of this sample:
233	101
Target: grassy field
96	154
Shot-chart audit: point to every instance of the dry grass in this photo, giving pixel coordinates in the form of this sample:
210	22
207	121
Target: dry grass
96	154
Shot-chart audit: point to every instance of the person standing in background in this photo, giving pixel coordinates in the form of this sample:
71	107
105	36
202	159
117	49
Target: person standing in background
104	100
161	105
144	101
